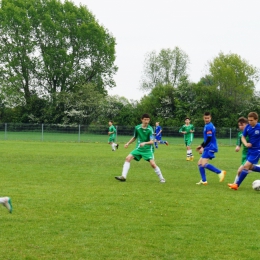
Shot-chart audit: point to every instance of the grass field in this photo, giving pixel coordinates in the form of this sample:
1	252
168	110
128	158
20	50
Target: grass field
67	205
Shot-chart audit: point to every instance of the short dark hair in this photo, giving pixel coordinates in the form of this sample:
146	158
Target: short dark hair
254	115
145	116
111	121
207	114
187	118
242	120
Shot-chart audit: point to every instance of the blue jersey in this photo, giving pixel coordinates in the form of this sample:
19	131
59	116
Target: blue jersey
157	131
210	130
254	136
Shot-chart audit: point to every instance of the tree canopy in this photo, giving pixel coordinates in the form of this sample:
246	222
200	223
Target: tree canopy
47	47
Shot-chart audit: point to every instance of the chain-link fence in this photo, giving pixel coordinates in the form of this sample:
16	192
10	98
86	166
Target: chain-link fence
98	133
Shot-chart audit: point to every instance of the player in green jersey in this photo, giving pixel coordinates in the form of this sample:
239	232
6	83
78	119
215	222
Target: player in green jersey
187	130
242	122
144	135
112	136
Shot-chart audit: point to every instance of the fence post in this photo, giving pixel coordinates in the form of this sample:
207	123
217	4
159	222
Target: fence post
42	132
230	136
79	134
5	131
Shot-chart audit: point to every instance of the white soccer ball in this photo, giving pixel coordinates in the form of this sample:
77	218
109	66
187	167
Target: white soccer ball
256	185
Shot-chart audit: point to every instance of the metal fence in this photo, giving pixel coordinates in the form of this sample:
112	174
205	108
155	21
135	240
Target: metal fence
94	133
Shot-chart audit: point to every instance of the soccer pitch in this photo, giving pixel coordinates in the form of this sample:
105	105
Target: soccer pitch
67	205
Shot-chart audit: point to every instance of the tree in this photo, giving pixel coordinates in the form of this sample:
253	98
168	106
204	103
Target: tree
47	47
160	103
166	68
234	77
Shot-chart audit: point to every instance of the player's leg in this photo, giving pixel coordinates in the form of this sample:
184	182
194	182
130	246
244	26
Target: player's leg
164	142
156	143
189	151
221	173
6	201
126	166
201	162
157	170
252	160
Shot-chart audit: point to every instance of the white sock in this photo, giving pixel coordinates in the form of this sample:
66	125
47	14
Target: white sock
158	172
113	146
126	168
3	200
236	179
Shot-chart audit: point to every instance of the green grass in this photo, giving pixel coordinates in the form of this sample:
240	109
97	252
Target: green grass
67	205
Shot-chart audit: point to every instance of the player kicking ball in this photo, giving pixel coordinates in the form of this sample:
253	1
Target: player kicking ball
143	133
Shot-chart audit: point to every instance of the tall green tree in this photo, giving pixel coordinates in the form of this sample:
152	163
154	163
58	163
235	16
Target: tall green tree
233	76
166	68
47	47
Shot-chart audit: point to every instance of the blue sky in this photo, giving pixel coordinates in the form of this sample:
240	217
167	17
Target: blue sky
201	28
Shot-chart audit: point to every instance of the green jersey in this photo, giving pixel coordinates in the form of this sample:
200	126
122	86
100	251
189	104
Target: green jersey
187	128
240	143
112	129
143	135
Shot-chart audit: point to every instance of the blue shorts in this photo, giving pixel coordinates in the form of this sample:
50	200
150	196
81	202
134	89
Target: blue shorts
253	156
158	138
208	154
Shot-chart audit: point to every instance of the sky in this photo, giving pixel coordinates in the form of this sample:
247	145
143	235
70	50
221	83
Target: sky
201	28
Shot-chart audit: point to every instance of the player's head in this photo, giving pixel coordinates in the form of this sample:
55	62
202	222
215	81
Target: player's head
157	123
110	122
242	122
252	118
145	119
187	120
207	117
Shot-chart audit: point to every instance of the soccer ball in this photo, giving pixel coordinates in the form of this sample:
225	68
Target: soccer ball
256	185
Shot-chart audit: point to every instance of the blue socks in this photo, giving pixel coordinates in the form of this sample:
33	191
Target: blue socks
256	168
242	176
212	168
209	167
202	173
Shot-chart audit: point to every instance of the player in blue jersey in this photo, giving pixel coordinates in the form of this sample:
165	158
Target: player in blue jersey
251	131
158	135
207	150
144	135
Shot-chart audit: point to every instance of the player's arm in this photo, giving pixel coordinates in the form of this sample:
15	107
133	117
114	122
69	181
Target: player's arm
204	144
130	141
243	139
182	131
239	142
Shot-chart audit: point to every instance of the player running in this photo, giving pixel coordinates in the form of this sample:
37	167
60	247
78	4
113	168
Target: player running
187	130
143	133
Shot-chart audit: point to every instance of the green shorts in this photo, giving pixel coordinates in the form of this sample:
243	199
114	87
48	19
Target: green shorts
188	142
111	139
138	155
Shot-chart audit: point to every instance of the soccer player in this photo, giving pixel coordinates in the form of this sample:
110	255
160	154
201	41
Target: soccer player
252	131
112	136
158	135
187	130
144	135
242	122
207	150
6	201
